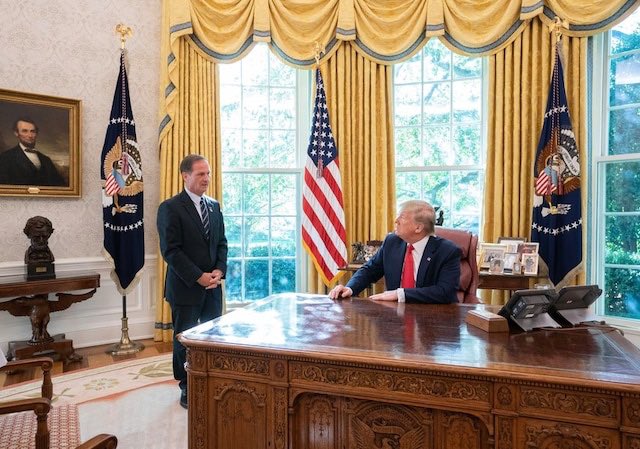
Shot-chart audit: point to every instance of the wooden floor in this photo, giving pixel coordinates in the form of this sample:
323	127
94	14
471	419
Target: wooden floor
92	357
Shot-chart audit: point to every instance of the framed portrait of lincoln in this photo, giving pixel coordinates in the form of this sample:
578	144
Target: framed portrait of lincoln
39	145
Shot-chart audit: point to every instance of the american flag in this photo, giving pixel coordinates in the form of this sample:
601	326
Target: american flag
323	224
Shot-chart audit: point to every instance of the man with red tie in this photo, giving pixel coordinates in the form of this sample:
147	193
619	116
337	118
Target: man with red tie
417	265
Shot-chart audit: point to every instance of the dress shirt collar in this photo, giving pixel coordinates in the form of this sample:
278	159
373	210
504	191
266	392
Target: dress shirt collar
194	198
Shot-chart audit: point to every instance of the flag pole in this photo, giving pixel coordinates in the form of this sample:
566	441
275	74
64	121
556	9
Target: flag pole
125	345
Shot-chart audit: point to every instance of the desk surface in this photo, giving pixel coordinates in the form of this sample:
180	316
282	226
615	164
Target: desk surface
365	331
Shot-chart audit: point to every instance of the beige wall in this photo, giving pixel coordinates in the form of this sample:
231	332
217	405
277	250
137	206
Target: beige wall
69	49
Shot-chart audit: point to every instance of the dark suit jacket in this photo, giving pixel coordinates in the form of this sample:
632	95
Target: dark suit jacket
438	273
186	249
17	169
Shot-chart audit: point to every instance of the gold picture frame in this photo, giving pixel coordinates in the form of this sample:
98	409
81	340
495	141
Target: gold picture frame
489	252
53	124
512	243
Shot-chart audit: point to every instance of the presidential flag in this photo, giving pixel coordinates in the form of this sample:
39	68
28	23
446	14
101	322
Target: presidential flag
122	190
323	224
557	213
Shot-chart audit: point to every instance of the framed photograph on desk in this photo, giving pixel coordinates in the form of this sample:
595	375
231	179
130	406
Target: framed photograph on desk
510	260
489	252
528	248
530	264
512	243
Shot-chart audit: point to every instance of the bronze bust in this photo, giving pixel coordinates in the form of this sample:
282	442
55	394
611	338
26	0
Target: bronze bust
38	257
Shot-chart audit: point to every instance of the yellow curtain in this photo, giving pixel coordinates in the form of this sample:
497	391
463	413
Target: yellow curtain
195	130
519	78
359	101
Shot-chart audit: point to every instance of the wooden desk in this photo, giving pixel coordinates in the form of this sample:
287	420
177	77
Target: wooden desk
302	371
31	299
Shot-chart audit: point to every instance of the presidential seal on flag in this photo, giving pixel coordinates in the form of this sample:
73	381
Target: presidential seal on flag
124	179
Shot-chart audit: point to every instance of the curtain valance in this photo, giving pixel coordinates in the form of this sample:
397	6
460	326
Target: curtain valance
384	31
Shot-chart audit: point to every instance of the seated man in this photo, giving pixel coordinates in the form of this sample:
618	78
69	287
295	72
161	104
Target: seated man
417	266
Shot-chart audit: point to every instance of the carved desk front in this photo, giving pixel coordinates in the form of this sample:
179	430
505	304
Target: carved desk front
303	371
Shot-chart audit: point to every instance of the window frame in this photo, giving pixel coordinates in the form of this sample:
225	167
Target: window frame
598	159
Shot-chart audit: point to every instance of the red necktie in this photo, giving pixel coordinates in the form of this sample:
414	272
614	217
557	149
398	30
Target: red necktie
407	269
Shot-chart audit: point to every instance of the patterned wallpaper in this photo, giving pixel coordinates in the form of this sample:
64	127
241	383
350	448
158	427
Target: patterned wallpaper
69	49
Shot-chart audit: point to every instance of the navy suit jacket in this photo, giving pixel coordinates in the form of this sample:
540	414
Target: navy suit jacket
187	250
438	273
17	169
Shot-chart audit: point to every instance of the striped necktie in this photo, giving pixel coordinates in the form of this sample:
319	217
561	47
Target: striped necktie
204	214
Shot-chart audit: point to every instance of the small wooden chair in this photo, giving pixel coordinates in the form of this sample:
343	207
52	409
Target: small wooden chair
42	405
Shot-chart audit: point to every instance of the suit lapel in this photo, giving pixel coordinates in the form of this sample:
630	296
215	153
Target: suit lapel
427	255
191	211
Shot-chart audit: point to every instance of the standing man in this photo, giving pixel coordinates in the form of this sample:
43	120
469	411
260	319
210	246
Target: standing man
24	164
418	266
192	242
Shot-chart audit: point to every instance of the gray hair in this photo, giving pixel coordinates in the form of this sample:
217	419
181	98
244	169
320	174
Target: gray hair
422	213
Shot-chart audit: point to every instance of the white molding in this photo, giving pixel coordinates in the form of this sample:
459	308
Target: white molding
97	320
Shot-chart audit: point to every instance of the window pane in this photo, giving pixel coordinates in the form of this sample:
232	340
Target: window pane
233	280
467	106
437	145
257	58
435	189
256	194
283	194
407	105
283	149
437	61
622	241
283	108
256	231
624	131
465	67
283	278
407	146
283	234
280	74
624	80
231	149
254	110
409	72
407	187
437	103
230	111
232	230
256	279
623	187
255	148
466	144
232	194
622	297
624	36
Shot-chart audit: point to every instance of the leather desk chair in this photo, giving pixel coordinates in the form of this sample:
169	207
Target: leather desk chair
42	405
469	275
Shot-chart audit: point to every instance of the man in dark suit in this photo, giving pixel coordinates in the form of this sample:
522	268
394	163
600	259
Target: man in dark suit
193	243
24	164
418	266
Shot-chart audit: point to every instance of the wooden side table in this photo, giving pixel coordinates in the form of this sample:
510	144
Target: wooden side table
510	282
31	298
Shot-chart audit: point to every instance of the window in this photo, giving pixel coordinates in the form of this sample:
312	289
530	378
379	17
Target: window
616	161
439	133
261	168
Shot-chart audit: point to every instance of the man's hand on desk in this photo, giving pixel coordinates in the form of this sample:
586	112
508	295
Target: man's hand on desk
389	295
340	292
